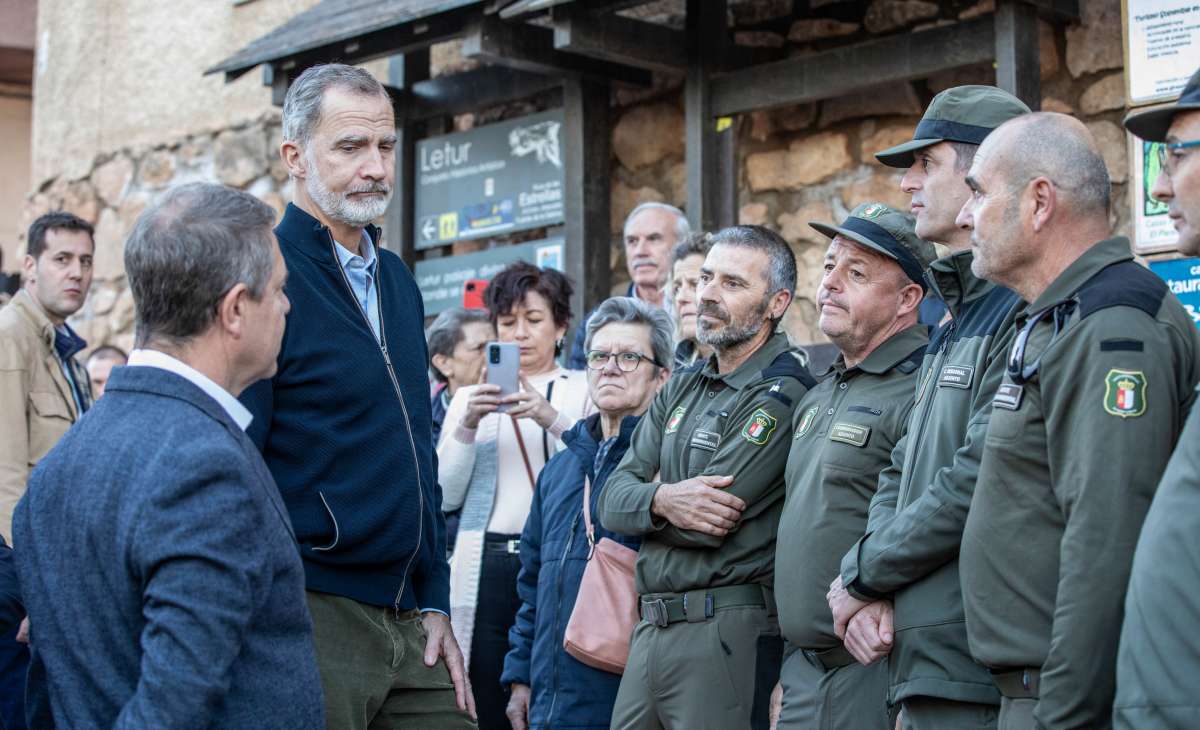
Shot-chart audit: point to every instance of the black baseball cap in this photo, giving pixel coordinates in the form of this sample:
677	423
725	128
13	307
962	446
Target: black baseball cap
1152	125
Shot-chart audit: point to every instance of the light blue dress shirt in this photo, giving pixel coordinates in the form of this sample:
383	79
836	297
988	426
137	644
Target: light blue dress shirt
361	272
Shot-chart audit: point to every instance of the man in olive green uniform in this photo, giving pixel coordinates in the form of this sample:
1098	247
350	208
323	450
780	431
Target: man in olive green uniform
702	483
1159	656
1097	386
847	427
910	550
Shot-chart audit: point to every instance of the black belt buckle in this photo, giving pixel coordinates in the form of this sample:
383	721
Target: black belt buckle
654	612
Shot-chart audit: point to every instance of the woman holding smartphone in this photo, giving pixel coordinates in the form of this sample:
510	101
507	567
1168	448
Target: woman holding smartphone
491	451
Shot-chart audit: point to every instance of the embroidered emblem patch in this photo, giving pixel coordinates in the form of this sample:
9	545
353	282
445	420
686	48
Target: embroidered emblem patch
806	421
849	433
675	419
759	427
872	211
1125	393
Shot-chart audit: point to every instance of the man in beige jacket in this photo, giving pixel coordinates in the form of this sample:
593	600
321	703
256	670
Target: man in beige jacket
43	388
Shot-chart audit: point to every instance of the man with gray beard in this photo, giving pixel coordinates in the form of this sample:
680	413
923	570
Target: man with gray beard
344	425
702	485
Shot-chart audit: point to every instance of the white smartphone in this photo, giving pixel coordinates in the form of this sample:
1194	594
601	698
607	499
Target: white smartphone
503	368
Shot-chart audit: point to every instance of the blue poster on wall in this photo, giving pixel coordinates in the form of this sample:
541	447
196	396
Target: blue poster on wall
1183	279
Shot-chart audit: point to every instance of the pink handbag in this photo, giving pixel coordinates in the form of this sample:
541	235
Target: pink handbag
605	613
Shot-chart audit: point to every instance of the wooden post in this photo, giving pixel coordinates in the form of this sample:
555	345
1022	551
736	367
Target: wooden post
586	172
1018	67
711	155
404	72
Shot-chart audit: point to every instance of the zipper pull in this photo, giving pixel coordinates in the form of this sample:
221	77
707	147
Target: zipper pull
386	357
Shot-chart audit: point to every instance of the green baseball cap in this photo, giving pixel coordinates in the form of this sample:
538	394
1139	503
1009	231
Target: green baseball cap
961	114
1152	125
888	231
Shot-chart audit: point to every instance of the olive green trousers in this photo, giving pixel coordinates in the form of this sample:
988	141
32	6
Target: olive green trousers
372	665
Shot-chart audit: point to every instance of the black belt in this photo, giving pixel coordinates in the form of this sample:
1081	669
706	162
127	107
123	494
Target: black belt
828	660
508	547
1018	684
664	609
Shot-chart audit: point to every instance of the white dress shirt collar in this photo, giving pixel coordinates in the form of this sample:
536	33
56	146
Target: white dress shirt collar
163	361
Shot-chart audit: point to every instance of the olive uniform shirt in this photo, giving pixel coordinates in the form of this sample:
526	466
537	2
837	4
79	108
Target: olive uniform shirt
845	431
1070	462
705	423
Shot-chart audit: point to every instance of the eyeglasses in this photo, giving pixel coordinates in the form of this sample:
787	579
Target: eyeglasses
1168	162
627	362
1018	371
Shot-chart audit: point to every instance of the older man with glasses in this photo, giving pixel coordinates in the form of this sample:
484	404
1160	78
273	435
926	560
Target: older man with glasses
1098	384
1159	656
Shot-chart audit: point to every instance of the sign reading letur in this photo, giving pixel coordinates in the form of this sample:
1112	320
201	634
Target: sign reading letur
1183	279
490	180
441	280
1162	44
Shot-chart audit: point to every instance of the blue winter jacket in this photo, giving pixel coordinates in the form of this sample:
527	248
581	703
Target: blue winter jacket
554	549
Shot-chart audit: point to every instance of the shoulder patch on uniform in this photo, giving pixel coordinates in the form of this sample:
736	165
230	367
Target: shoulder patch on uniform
806	421
1123	284
759	427
913	361
1121	345
675	419
1125	393
789	364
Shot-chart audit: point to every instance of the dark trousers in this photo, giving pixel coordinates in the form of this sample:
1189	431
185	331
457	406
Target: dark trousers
14	663
494	616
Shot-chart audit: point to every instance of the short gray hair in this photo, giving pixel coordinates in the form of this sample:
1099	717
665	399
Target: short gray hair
447	331
1058	147
781	272
634	311
302	105
696	244
683	229
188	249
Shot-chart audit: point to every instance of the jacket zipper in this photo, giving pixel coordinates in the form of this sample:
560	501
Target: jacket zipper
929	385
399	395
558	617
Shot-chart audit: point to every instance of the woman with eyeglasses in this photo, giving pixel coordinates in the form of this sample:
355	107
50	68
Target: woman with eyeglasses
488	465
628	349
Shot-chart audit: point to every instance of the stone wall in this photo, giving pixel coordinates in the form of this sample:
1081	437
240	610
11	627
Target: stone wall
815	161
809	162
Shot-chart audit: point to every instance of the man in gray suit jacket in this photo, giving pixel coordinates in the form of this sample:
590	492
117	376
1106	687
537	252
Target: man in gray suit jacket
157	559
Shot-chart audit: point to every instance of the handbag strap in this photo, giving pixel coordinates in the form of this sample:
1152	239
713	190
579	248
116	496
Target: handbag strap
524	453
587	514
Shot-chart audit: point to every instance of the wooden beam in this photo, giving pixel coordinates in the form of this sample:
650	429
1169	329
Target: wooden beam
586	173
840	71
398	237
711	186
377	44
474	90
1067	10
530	48
619	40
1018	68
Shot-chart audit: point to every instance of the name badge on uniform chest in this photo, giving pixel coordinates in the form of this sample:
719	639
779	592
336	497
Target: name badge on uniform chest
707	440
956	376
1008	396
850	433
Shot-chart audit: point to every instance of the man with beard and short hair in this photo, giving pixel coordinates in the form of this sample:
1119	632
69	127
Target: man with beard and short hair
1159	657
910	550
847	428
702	484
651	231
345	425
686	260
1099	380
